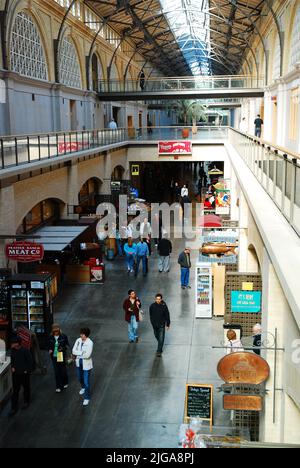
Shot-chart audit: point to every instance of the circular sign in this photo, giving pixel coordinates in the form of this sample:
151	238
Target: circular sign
245	368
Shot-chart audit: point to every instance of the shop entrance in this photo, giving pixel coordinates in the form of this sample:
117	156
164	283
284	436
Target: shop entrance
155	181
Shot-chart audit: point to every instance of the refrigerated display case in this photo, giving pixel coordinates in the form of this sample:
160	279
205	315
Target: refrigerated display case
203	290
31	304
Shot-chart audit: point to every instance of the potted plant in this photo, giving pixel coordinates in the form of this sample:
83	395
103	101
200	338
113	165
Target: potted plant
189	112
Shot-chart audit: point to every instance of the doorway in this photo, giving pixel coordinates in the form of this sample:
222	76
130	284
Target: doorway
73	117
115	112
131	132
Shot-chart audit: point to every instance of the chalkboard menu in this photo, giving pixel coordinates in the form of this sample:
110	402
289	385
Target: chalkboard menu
199	402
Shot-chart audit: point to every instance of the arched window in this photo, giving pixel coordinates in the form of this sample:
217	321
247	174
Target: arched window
27	55
69	69
295	50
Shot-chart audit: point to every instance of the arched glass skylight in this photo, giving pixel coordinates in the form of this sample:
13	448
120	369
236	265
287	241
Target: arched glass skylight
189	22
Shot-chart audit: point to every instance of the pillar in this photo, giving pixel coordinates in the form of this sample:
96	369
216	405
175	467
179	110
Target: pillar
243	239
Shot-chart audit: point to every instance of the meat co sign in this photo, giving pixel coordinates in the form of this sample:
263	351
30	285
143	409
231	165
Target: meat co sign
24	252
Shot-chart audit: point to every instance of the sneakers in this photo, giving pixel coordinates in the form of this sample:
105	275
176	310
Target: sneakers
189	287
137	339
182	287
86	402
158	354
66	386
58	390
82	391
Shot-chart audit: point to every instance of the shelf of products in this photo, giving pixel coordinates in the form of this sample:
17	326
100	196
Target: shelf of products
203	291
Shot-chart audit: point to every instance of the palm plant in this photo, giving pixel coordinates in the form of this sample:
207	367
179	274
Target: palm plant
189	112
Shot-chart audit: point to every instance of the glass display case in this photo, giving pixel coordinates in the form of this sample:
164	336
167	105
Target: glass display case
203	290
31	304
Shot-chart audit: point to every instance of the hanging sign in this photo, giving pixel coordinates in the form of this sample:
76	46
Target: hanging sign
169	148
24	252
135	170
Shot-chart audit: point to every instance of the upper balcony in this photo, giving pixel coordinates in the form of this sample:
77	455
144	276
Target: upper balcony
208	87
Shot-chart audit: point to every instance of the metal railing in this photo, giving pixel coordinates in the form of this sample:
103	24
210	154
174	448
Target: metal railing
160	84
276	168
25	149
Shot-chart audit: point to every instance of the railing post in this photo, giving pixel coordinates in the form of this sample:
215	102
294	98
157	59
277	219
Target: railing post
28	149
268	169
284	174
65	148
49	152
275	175
293	191
16	152
39	147
2	154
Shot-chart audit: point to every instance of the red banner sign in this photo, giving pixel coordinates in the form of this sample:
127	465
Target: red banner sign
24	252
71	147
175	148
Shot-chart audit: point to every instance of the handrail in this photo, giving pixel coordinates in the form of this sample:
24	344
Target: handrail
70	132
261	141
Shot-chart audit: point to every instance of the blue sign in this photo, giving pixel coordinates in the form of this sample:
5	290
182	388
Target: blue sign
246	301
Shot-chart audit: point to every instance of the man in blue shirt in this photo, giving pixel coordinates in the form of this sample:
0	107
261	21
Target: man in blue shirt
142	253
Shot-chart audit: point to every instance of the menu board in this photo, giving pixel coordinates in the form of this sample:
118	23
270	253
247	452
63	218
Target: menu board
199	402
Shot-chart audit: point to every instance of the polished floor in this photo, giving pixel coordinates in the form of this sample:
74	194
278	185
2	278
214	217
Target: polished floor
137	398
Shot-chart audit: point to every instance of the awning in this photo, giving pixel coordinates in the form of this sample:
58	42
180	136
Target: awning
57	238
211	221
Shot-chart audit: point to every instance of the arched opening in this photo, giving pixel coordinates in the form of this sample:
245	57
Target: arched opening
46	212
118	173
97	73
253	265
88	196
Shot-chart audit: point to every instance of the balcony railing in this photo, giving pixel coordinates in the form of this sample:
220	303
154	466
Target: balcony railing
160	84
25	149
276	168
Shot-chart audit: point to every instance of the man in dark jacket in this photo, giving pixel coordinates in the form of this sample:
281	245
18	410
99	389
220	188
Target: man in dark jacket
160	320
164	251
21	367
184	261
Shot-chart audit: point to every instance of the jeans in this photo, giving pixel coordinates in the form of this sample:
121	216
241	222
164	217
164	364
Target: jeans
164	263
20	380
132	329
130	261
159	333
61	376
258	132
144	262
185	276
84	377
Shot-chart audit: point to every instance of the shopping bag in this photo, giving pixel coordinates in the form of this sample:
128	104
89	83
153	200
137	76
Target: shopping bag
141	315
60	356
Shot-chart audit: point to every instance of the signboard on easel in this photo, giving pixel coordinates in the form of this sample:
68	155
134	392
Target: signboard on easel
199	402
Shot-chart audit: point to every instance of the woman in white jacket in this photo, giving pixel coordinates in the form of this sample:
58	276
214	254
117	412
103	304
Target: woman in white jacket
82	350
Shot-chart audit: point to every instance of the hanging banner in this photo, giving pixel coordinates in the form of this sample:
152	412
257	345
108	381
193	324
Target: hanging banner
24	252
169	148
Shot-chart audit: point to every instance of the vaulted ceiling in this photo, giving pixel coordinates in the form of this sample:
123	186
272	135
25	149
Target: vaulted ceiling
186	37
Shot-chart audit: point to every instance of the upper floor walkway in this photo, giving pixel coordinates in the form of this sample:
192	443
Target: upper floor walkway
208	87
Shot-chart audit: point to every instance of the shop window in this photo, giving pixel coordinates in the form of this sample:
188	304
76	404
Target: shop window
42	213
27	55
294	114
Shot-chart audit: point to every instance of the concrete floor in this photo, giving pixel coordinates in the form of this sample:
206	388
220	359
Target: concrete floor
137	398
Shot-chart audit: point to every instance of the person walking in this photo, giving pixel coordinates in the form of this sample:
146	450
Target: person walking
145	233
164	251
184	191
177	192
131	307
258	122
83	350
184	261
130	250
21	367
142	253
160	321
142	80
58	344
257	332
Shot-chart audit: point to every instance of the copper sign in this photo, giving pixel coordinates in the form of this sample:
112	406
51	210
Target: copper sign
248	368
242	403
